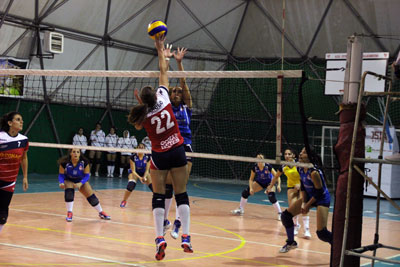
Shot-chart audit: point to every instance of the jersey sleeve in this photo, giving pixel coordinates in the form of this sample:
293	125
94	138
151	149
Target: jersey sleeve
254	169
85	163
269	166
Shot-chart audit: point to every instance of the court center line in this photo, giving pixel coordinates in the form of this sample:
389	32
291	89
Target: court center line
192	233
71	254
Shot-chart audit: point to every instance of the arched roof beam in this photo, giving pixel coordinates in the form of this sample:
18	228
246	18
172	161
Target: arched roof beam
240	27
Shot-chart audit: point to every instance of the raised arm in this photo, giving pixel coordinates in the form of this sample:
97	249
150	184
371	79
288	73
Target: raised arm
187	97
159	44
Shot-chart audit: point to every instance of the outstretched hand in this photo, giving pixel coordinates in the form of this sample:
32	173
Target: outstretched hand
167	51
178	55
159	42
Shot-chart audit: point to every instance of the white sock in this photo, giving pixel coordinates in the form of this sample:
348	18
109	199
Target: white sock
243	202
70	206
98	208
296	220
184	212
158	215
177	213
306	222
109	169
277	207
121	170
1	227
168	202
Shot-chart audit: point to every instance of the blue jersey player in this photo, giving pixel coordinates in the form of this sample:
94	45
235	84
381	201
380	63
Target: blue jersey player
260	178
74	172
140	169
314	193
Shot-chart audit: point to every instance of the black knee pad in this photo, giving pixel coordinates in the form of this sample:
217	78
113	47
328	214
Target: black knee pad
69	194
131	186
169	190
158	201
182	199
3	216
93	200
246	193
151	187
325	235
287	219
272	197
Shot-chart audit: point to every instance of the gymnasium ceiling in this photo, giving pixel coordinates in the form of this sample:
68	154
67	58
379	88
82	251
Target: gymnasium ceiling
211	29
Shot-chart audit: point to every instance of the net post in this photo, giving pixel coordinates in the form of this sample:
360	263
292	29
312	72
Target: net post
279	118
352	75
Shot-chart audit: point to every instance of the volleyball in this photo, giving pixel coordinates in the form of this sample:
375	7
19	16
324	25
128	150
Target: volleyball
157	28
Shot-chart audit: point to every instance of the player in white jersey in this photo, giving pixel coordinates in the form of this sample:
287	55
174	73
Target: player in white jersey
111	141
80	139
13	154
125	142
154	113
97	138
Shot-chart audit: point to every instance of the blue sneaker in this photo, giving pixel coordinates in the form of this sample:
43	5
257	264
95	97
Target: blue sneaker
167	225
161	245
175	229
104	216
187	247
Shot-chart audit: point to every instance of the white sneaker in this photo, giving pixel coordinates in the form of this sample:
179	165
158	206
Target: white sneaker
296	229
96	174
279	216
120	176
238	211
307	234
111	175
393	158
108	175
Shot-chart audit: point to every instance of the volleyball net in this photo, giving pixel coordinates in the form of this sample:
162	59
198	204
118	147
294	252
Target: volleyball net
236	114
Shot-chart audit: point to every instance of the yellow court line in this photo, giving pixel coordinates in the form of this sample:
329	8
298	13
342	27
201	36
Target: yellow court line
208	255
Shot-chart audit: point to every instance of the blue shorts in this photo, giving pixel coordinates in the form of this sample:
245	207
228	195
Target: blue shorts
173	158
139	173
263	183
188	148
325	201
74	180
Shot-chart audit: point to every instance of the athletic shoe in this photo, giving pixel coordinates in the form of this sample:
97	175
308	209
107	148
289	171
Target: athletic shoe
120	176
96	174
167	225
123	204
279	216
112	175
69	216
108	175
175	229
104	216
187	247
238	211
288	246
393	158
161	245
296	229
307	234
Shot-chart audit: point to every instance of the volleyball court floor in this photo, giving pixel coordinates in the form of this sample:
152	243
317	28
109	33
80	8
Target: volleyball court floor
38	235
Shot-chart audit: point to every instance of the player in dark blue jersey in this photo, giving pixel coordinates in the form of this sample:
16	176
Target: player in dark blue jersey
314	193
140	169
181	101
74	172
260	178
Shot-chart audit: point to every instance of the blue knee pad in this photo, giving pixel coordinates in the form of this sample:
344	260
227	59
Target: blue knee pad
131	186
158	201
246	193
182	199
169	190
325	235
287	219
272	197
3	216
93	200
69	194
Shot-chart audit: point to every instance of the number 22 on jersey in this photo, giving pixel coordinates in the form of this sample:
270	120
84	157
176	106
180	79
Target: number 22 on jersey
158	120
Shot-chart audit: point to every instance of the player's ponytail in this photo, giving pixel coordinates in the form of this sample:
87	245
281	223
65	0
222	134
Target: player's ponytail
139	112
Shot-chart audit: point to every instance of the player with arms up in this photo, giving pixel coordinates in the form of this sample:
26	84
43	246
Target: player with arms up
154	113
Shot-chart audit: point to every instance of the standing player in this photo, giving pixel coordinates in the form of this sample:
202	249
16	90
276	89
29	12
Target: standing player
125	142
155	114
13	153
293	189
263	173
140	169
314	193
80	139
97	138
181	101
74	172
111	141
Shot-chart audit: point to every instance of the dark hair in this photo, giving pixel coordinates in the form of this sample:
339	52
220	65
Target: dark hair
67	158
139	112
296	155
80	128
6	118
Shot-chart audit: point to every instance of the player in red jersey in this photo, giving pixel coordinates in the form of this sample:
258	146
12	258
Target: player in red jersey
13	153
154	113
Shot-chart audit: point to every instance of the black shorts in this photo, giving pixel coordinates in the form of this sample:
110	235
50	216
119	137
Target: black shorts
188	148
173	158
5	200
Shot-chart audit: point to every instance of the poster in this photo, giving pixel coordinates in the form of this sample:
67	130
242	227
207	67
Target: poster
12	86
